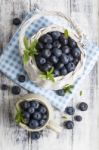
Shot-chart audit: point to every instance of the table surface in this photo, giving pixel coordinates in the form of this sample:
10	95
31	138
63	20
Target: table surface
85	135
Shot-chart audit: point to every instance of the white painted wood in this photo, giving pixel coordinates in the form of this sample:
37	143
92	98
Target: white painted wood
85	135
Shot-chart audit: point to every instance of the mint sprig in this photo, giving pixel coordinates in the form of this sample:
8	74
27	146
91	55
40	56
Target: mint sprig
68	88
66	33
30	49
19	116
48	75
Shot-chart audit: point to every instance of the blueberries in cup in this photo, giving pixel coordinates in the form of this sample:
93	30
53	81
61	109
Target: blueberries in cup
57	51
34	114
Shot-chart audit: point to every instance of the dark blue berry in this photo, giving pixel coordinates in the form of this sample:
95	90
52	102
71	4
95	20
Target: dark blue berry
60	92
25	105
46	38
66	49
59	65
70	58
39	46
70	110
16	21
26	115
56	44
69	124
21	78
78	118
46	67
33	124
37	116
70	67
71	43
40	60
45	116
63	40
34	104
4	87
57	52
76	52
56	73
42	122
53	59
31	110
48	46
63	71
76	60
83	106
35	135
46	53
55	35
64	59
15	90
42	110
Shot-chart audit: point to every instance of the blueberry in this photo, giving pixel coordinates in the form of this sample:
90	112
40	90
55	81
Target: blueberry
55	35
42	122
70	67
46	67
48	46
64	59
45	116
37	116
69	124
25	105
71	43
66	49
26	115
35	135
56	44
83	106
21	78
34	104
33	124
42	110
46	38
70	110
76	61
56	73
4	87
31	110
63	71
46	53
60	92
40	60
39	46
16	21
53	59
57	52
78	118
70	58
63	40
59	65
76	52
15	90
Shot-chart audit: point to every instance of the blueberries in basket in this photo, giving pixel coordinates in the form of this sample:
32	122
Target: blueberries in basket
35	135
16	21
70	110
35	113
15	90
57	51
83	106
69	124
21	78
60	92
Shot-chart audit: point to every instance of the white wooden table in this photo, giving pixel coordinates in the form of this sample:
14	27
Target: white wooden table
85	135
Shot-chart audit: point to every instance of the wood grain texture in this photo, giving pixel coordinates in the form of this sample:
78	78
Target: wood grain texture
85	135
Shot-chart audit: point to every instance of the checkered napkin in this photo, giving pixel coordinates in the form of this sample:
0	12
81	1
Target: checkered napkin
11	64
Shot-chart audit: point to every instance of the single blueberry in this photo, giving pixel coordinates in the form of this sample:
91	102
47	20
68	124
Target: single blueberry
76	60
60	92
70	67
31	110
42	109
66	49
35	135
26	115
63	40
83	106
39	46
56	73
48	46
57	52
46	38
42	122
21	78
46	53
16	21
59	65
40	60
70	58
70	110
55	35
56	44
63	71
16	90
33	124
78	118
25	105
46	67
34	104
64	59
45	116
37	116
4	87
69	124
53	59
76	52
71	43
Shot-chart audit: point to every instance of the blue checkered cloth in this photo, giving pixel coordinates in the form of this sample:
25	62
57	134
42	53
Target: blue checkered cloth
11	64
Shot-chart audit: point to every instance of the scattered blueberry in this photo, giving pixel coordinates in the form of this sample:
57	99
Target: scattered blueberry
60	92
21	78
69	124
78	118
83	106
4	87
70	110
16	21
15	90
35	135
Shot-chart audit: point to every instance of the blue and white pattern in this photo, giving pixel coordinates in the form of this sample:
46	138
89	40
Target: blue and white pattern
11	64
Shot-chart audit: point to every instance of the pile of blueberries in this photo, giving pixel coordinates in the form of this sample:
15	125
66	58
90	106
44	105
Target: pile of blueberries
56	50
70	111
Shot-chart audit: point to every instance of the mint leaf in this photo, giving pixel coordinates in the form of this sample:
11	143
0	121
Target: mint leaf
26	43
68	88
33	44
26	57
81	92
19	116
66	33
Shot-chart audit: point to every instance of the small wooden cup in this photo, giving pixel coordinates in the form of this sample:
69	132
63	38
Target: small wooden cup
49	123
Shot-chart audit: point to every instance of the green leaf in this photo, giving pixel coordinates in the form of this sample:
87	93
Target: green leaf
68	88
33	44
19	116
66	33
51	77
81	92
52	70
26	57
26	43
